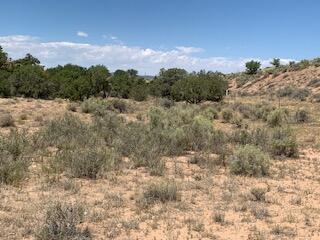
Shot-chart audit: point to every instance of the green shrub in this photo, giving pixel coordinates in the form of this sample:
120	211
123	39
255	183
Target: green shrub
61	222
261	111
316	98
199	133
158	118
95	106
284	143
260	137
227	115
166	103
293	92
159	192
203	86
13	162
119	105
6	120
89	162
63	132
252	67
109	127
250	161
139	92
12	170
301	116
177	141
258	194
238	121
72	107
277	118
149	156
210	113
241	136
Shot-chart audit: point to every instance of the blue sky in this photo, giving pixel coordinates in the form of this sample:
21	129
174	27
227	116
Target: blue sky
148	35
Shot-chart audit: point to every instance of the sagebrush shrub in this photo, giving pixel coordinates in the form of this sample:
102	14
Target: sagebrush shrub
227	115
159	192
72	107
166	103
61	222
199	133
277	118
301	116
89	162
14	161
119	105
6	120
95	106
250	161
284	143
210	113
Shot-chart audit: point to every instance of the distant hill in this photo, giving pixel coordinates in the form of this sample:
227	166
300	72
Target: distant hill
304	75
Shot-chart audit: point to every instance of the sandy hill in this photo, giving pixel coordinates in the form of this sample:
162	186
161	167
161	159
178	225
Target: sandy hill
271	80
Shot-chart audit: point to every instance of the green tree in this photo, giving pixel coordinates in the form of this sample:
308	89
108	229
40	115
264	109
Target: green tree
140	90
196	88
70	81
99	75
161	85
27	60
30	81
252	67
276	62
122	82
3	58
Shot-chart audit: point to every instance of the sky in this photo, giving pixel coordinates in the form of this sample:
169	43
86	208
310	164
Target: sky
150	34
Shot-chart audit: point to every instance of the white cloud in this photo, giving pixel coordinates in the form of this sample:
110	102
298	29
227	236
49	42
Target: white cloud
82	34
115	56
189	50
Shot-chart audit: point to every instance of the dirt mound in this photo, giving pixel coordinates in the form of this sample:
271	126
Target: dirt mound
268	82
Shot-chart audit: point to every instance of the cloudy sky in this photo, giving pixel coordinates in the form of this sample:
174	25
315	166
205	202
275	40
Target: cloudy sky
149	35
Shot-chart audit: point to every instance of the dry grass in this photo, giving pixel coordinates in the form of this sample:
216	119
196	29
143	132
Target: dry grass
189	201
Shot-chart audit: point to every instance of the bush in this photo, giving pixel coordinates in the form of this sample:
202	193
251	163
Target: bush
301	116
250	161
13	165
238	121
139	92
166	103
316	98
12	170
159	192
6	120
277	118
64	132
200	87
61	222
295	93
95	106
119	105
210	113
199	133
258	194
149	155
89	162
72	107
227	115
252	67
284	143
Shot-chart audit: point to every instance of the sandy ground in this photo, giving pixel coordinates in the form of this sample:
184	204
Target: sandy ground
214	204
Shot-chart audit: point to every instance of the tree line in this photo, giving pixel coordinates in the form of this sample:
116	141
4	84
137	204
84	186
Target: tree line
26	77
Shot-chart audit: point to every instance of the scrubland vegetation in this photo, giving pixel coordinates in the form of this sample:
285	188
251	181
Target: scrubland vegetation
93	155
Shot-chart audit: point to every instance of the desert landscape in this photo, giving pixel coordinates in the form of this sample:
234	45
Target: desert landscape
159	120
159	169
